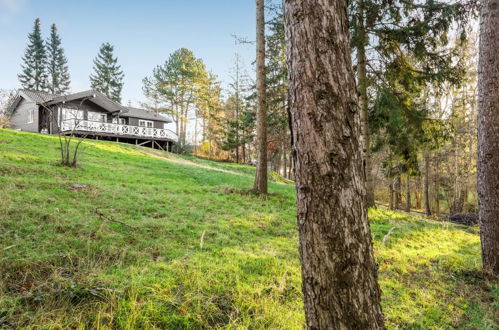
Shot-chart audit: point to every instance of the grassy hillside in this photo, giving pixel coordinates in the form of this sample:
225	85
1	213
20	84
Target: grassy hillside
156	240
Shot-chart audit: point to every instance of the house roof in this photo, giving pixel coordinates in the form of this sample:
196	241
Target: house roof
143	114
31	96
95	97
37	96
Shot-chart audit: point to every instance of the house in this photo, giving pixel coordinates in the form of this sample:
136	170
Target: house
89	114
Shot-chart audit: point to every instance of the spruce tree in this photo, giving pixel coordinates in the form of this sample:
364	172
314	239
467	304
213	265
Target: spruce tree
107	77
57	64
34	73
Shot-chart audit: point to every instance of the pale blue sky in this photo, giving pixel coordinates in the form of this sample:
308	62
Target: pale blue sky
143	32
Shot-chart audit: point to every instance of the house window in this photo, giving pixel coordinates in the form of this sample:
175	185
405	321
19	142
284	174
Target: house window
146	123
97	116
71	114
31	116
121	121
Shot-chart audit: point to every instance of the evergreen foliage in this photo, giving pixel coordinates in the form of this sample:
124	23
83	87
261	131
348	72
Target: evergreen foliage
175	87
59	79
34	73
108	76
408	54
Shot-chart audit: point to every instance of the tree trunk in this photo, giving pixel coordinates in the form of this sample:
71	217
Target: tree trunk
488	135
408	194
243	147
436	183
363	101
398	193
195	133
463	196
260	185
338	270
285	163
427	183
392	207
418	192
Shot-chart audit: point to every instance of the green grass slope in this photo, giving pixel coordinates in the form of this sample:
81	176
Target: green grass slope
159	241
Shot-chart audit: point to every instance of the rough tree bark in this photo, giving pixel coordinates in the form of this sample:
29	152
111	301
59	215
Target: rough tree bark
338	270
260	185
363	101
488	135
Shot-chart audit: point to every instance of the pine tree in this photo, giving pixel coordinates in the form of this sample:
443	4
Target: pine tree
387	33
57	64
340	288
107	77
488	136
260	185
34	73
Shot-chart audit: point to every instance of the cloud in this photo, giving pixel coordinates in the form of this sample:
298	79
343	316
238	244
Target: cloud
12	6
9	9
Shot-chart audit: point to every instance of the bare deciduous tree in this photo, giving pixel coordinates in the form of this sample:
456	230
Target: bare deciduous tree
69	140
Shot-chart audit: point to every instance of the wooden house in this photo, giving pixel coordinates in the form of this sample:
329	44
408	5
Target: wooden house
89	114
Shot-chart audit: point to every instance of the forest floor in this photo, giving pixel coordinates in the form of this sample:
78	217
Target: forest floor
150	240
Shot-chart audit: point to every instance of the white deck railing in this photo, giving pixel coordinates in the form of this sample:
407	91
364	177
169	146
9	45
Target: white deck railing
117	129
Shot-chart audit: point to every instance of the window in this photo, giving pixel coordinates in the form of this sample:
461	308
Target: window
31	116
122	121
146	123
71	114
97	116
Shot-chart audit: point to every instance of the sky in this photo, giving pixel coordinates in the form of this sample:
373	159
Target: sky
143	33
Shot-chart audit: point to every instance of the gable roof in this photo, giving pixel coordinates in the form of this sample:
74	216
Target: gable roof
36	96
46	99
93	96
30	96
143	114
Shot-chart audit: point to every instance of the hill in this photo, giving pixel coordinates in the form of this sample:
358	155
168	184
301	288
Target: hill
139	238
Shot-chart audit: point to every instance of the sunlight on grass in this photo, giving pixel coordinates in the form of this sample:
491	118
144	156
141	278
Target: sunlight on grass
151	243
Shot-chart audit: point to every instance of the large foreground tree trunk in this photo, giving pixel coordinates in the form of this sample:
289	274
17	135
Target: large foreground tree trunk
338	270
488	135
260	185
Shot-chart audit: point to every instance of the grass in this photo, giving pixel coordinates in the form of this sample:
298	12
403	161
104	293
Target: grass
157	240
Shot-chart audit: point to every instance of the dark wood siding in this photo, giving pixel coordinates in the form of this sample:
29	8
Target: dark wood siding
135	122
86	107
19	118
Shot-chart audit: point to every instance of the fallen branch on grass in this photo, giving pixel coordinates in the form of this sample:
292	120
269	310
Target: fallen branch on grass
111	219
387	235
